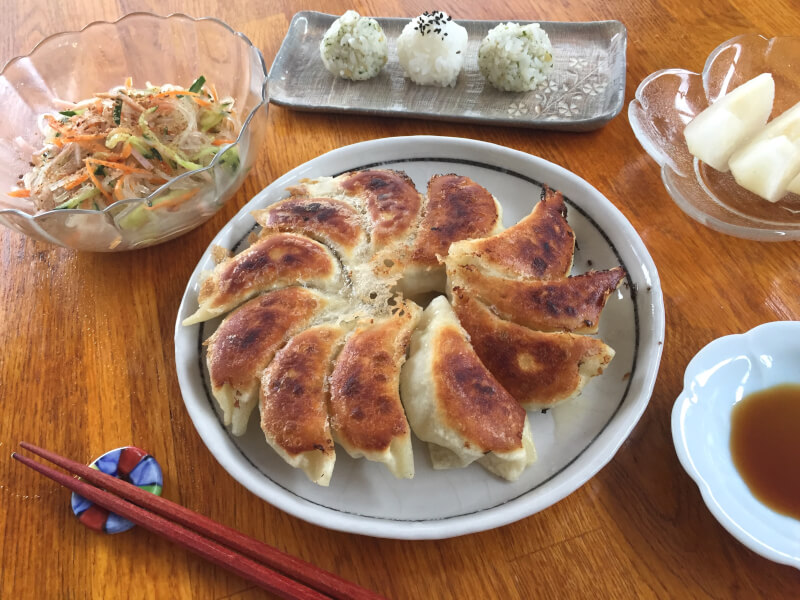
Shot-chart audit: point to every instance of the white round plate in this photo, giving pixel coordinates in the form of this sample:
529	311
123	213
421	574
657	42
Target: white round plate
721	374
573	441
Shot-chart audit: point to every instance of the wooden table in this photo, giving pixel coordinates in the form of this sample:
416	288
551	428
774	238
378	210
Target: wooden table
87	358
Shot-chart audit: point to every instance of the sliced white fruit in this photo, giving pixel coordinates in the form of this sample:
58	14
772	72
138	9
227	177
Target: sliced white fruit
794	185
715	134
766	167
769	163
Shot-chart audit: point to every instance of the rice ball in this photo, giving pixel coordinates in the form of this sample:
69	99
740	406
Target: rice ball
354	47
431	49
516	58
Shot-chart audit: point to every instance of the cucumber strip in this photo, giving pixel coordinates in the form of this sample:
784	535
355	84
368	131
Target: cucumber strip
210	119
208	151
197	85
230	158
115	138
89	192
135	219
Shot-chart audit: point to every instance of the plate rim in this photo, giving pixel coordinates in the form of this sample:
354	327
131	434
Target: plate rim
573	476
597	121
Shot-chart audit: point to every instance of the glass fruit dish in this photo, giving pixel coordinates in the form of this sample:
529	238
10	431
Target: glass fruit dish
668	99
176	49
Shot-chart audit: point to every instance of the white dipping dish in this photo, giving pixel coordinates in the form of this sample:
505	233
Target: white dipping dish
573	441
720	375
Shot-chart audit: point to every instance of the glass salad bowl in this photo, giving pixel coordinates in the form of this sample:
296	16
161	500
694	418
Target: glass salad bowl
72	66
668	99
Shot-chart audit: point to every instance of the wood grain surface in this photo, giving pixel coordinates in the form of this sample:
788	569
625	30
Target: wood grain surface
87	359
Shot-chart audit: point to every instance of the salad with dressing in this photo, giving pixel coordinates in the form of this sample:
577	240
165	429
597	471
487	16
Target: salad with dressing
126	143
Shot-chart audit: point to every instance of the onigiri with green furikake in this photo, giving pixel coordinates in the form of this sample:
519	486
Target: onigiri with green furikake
354	47
516	58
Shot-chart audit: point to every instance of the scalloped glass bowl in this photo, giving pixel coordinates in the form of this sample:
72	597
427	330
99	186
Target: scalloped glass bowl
668	99
721	374
75	65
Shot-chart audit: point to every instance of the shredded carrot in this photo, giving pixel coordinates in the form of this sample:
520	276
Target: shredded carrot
86	137
193	95
91	146
76	181
174	202
175	93
116	165
54	124
95	181
118	188
109	169
165	167
116	156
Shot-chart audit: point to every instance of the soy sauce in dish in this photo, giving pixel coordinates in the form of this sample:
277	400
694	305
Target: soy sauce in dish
765	446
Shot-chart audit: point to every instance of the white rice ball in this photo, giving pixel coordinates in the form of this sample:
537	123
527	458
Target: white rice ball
431	49
516	58
354	47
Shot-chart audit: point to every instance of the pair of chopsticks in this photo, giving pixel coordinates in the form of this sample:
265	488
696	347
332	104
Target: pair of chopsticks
275	571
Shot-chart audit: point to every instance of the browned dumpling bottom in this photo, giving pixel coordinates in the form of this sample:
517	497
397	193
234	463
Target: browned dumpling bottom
325	332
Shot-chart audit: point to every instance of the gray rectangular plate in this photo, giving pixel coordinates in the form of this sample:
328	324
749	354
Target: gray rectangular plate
586	88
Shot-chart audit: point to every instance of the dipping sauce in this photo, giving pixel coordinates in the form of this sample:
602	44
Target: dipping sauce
765	446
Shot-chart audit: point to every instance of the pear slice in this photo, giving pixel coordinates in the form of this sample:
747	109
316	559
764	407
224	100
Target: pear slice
768	165
716	133
794	185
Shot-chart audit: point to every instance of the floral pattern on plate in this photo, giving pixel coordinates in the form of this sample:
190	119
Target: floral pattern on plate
585	90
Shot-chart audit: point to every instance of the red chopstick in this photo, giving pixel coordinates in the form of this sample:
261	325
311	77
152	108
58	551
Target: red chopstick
253	560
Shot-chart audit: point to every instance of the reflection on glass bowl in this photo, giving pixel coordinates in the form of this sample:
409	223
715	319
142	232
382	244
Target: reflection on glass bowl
668	99
75	65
